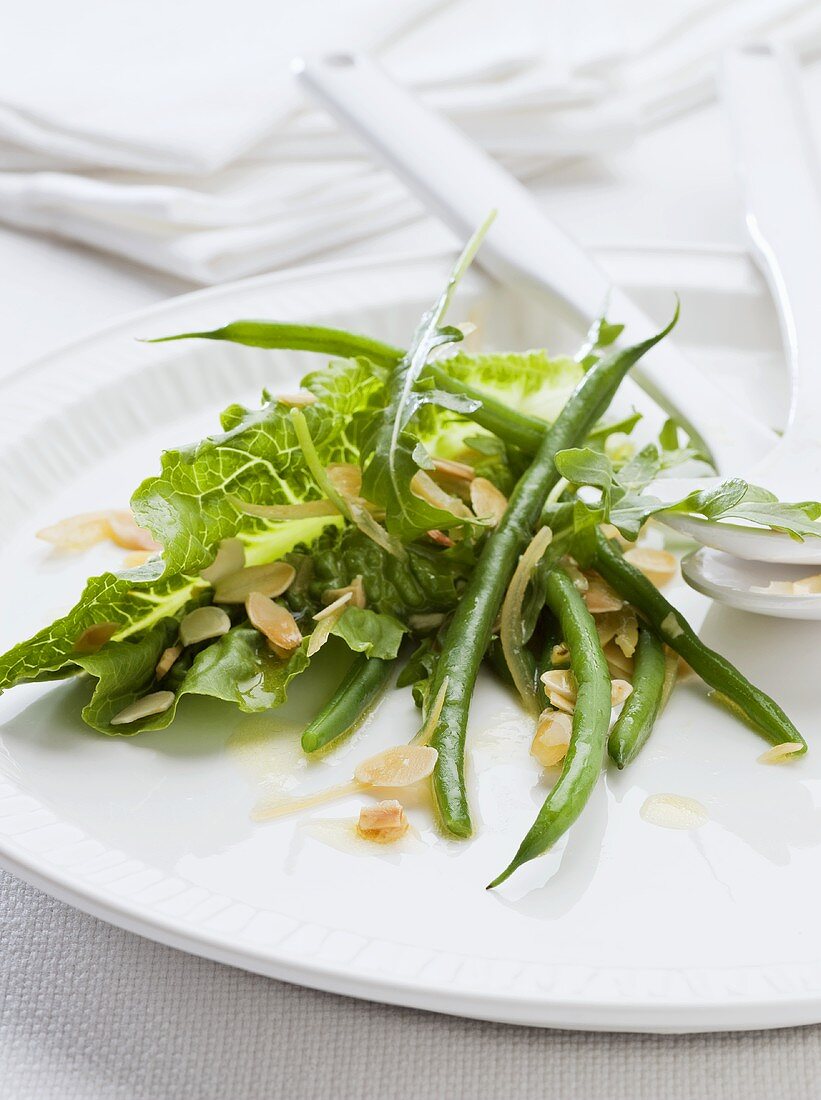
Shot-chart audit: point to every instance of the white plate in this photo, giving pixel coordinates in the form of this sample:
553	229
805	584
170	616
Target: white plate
623	926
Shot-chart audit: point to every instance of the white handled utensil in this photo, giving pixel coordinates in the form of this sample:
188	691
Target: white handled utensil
524	248
783	211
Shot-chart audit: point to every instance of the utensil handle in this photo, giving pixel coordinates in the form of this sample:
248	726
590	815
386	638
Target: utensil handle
459	182
779	179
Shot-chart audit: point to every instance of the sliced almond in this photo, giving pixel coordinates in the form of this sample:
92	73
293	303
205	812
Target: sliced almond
268	580
95	637
487	501
627	631
135	558
77	532
423	486
326	620
456	471
673	811
126	533
659	566
204	623
440	537
156	703
167	661
559	654
619	690
346	478
401	766
229	559
335	606
298	400
357	593
780	754
560	688
383	823
600	597
275	622
552	738
580	581
619	666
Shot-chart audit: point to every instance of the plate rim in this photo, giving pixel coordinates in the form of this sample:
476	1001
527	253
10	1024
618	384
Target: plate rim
650	1011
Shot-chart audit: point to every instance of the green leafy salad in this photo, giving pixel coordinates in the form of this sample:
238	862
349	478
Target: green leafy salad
434	511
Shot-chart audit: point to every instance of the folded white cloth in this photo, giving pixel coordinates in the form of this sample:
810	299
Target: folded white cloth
174	134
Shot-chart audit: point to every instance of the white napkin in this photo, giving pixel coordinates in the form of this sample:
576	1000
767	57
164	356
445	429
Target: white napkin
174	134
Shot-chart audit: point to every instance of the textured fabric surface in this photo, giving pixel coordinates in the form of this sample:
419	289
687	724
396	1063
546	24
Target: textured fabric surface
88	1012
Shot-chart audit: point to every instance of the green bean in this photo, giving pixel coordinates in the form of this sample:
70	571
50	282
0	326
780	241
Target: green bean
643	705
360	687
516	428
468	634
671	627
591	719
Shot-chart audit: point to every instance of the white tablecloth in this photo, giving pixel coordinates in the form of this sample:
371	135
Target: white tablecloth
88	1012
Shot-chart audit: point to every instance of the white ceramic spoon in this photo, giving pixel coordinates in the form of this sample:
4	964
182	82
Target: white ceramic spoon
461	184
783	210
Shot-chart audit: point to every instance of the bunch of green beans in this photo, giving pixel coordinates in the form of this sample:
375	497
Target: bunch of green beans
671	627
591	720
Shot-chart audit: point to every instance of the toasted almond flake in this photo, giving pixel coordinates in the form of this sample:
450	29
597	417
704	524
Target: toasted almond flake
670	626
78	532
167	661
611	532
619	666
94	637
561	680
673	811
401	766
458	471
356	589
423	486
332	608
203	623
780	754
275	622
600	597
559	654
659	566
330	616
268	580
487	501
346	478
126	533
429	620
156	703
552	738
440	537
383	823
580	581
619	690
135	558
298	400
229	559
627	631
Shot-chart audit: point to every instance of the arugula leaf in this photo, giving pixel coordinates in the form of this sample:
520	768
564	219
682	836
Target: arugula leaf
391	466
625	505
371	633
